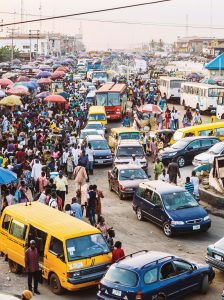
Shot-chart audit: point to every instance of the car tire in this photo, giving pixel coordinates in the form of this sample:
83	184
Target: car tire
121	196
14	267
167	229
55	284
181	161
139	214
205	284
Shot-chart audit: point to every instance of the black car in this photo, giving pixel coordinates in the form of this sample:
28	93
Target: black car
186	149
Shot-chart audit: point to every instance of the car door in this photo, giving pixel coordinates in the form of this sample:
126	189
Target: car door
157	213
190	278
192	150
147	205
206	144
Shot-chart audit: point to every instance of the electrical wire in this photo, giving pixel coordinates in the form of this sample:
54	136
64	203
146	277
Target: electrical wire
86	13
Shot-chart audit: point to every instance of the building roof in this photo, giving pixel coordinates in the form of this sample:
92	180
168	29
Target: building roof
217	63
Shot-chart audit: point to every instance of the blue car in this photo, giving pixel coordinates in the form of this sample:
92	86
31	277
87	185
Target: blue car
171	207
215	255
154	276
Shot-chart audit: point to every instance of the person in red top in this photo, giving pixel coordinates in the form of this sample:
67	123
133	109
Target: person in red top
20	155
32	266
118	252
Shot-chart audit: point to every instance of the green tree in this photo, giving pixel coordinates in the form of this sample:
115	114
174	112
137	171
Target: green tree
5	53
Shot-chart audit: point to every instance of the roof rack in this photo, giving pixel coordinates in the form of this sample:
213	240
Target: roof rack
132	254
157	260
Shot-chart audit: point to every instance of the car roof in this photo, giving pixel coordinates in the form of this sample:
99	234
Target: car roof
142	258
162	187
88	130
123	129
96	137
193	138
128	166
96	123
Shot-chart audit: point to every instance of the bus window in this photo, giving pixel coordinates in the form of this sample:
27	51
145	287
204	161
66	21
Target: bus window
18	229
219	131
6	222
205	132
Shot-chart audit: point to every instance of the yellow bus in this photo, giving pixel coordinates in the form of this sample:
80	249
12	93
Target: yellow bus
210	129
122	133
97	113
73	254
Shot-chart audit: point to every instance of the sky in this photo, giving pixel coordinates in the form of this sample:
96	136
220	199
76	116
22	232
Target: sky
115	29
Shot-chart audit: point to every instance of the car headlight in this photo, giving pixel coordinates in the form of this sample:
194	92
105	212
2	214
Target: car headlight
75	274
177	223
109	156
206	218
172	154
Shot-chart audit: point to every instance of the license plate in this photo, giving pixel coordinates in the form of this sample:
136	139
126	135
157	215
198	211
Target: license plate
217	257
116	292
196	227
100	161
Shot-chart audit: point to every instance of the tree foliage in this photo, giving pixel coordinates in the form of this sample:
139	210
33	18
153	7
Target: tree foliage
5	53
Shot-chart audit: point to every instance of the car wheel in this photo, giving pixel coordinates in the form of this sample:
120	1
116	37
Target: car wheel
55	284
181	161
167	229
121	196
139	214
204	284
14	267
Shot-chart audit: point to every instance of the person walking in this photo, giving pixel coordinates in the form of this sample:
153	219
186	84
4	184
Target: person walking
176	119
167	118
99	195
158	168
80	177
32	266
42	180
173	171
144	139
90	152
189	186
195	181
154	149
61	186
76	208
91	205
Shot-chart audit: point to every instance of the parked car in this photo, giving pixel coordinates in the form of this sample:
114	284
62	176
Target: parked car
150	275
125	179
96	126
215	255
102	152
208	156
125	151
171	207
85	132
186	149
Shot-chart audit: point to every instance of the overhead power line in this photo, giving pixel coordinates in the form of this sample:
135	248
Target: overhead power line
86	12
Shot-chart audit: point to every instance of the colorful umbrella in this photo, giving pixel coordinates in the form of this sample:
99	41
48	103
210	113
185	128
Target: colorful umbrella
4	82
43	95
43	74
55	66
44	81
18	85
44	67
55	99
62	68
18	91
7	176
150	108
16	61
64	94
22	78
2	94
57	74
11	101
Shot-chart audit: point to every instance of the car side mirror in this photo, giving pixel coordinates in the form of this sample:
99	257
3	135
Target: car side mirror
157	206
190	148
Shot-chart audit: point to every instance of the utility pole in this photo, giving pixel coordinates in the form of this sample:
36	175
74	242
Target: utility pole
40	9
11	31
21	15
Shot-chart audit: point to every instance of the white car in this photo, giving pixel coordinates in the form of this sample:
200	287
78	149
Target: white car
96	126
86	132
208	156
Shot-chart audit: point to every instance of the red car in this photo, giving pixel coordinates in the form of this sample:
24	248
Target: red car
125	179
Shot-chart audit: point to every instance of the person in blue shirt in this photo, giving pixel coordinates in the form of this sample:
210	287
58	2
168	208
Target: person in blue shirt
126	121
189	186
76	209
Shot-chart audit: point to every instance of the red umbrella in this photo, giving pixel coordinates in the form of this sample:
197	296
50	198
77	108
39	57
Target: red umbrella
4	82
62	68
22	78
44	81
55	99
150	108
57	74
17	91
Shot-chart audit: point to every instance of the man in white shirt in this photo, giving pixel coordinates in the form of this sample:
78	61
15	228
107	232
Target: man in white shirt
36	170
135	161
65	156
90	152
61	186
75	152
53	200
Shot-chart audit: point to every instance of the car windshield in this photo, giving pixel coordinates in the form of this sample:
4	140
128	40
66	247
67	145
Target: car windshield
129	136
129	151
180	144
94	126
97	117
86	246
99	145
121	276
179	200
216	149
220	244
85	133
132	174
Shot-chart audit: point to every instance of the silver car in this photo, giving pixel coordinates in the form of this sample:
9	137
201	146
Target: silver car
208	156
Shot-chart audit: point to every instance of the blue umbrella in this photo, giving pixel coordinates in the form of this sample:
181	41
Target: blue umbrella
7	176
2	94
43	74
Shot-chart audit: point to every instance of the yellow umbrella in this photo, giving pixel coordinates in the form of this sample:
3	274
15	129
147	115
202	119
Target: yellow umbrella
11	101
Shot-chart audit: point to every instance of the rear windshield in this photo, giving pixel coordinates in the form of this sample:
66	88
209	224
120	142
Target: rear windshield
121	276
97	117
129	136
129	151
